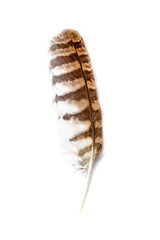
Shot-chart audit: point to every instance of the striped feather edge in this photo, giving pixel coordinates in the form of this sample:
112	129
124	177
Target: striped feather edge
76	100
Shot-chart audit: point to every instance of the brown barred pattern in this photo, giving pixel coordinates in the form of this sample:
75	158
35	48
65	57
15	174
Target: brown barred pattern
75	93
76	98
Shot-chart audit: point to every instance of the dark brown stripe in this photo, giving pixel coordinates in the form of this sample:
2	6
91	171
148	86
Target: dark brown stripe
82	116
60	46
84	58
76	95
98	132
93	95
63	60
99	149
89	76
96	115
67	76
79	44
81	135
84	150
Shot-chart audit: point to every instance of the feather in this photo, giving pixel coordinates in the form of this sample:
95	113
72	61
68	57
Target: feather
76	100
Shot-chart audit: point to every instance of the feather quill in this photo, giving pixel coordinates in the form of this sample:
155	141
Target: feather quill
76	100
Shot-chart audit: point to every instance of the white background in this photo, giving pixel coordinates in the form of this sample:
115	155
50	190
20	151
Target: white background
38	194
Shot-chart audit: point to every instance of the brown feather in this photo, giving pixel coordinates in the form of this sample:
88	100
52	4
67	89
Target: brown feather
76	98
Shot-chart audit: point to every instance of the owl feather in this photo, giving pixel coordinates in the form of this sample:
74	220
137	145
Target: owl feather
76	101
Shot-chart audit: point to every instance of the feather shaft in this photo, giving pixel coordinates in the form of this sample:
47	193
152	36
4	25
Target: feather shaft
93	136
88	178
